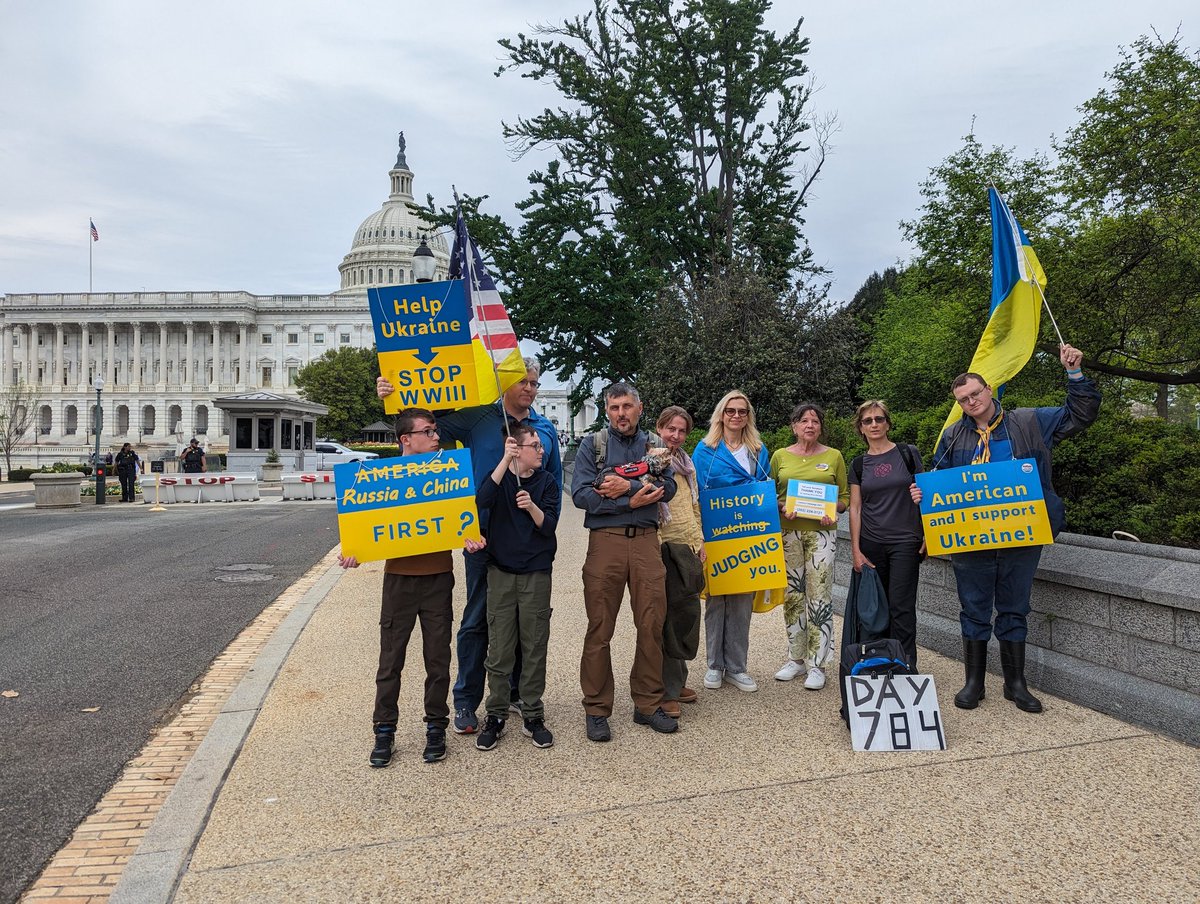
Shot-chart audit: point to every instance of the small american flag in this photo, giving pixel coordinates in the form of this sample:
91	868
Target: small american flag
489	320
95	234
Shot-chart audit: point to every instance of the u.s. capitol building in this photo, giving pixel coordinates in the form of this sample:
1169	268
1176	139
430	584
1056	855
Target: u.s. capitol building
165	356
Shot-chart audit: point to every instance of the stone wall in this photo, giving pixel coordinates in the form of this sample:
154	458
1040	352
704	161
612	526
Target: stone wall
1115	626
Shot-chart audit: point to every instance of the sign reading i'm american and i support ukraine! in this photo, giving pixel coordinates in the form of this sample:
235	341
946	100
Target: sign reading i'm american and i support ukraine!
423	336
742	540
392	507
985	506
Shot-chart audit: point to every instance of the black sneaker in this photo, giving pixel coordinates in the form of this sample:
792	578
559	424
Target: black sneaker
489	737
658	720
435	744
385	737
597	728
536	729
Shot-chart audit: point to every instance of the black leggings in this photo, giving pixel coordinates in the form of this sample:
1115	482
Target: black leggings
898	565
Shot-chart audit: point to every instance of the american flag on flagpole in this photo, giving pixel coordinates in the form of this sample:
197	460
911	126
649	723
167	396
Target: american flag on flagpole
95	234
490	326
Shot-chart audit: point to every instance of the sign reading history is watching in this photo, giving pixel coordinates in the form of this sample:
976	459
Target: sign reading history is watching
742	540
986	506
894	712
423	336
392	507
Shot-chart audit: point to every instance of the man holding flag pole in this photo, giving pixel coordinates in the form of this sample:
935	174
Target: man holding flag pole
513	382
1001	580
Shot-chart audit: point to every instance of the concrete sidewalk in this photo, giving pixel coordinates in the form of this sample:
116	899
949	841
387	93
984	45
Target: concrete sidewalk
758	797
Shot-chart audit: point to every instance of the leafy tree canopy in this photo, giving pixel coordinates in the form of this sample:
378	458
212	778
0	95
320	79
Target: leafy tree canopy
344	380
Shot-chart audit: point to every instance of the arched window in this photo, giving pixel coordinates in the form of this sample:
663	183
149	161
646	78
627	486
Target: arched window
390	277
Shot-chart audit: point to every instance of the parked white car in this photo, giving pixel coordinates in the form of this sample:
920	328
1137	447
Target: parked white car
330	453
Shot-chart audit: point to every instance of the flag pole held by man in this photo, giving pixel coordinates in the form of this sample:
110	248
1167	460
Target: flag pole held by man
979	430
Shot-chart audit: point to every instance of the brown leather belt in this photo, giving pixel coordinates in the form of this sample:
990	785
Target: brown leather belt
628	531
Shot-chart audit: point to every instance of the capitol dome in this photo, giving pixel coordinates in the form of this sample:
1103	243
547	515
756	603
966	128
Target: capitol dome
382	251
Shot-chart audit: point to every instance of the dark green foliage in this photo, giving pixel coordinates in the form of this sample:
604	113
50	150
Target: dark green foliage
344	380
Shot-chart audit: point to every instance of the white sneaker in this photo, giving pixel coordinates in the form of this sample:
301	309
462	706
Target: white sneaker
790	670
712	679
741	681
815	680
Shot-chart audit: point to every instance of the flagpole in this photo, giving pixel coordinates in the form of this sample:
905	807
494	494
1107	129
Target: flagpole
469	255
1041	292
90	243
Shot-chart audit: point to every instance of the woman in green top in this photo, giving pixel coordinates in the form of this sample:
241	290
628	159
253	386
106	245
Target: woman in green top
808	547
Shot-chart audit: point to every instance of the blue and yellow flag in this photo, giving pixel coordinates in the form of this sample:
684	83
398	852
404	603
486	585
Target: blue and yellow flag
1015	318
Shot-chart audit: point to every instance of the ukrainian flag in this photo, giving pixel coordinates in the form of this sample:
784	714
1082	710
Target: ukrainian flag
1015	318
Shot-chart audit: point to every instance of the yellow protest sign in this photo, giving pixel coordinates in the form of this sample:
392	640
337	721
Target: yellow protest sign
393	507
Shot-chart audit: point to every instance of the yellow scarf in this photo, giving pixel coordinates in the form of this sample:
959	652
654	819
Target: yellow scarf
983	452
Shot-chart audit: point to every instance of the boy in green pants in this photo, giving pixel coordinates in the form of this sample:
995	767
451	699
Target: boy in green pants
525	502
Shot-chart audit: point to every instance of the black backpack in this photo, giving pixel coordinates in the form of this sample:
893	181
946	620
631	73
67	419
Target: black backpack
872	657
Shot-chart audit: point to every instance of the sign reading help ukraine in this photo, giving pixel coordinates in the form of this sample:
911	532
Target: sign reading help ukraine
406	506
742	540
987	506
423	335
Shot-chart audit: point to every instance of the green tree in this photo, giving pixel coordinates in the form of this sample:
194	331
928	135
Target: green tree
344	380
678	144
779	349
1130	263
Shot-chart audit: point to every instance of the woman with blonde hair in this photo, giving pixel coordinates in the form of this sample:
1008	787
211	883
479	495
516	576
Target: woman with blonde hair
809	545
731	454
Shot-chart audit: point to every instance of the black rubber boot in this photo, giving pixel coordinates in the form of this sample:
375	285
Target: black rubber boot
1012	661
385	736
975	665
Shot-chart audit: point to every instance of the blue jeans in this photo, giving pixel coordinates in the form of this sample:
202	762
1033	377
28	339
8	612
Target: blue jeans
1000	579
473	637
472	634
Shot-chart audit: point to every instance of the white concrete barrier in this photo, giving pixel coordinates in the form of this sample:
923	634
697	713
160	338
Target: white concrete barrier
308	486
219	487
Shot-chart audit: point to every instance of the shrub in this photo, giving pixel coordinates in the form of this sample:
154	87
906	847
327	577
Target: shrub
17	475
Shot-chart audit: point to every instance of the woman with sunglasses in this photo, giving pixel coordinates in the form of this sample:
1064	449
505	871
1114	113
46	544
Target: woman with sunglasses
809	546
732	453
885	523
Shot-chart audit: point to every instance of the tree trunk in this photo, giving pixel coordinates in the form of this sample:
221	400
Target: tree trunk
1162	401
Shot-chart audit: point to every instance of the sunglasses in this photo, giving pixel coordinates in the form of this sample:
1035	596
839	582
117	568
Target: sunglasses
877	419
737	412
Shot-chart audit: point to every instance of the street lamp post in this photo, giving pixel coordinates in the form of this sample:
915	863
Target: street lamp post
98	385
1198	415
423	263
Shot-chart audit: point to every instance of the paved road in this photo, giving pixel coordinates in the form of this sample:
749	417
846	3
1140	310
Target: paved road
119	608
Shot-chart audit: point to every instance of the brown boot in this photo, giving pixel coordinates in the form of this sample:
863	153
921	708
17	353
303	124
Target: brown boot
687	695
671	708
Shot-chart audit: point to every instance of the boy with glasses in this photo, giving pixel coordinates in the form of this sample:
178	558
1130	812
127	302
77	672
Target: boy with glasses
414	587
524	503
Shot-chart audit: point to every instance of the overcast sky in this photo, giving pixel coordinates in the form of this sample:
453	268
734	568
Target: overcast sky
238	145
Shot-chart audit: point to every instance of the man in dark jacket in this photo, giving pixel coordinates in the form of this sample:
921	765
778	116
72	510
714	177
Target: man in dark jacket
1003	578
623	549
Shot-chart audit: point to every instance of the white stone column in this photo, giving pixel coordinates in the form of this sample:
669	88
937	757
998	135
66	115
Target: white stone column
6	335
188	356
244	379
278	376
214	384
135	378
85	359
110	362
33	357
57	376
160	378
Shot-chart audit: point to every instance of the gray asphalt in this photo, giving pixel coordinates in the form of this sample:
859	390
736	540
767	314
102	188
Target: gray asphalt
123	609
